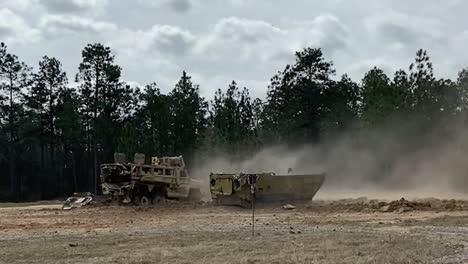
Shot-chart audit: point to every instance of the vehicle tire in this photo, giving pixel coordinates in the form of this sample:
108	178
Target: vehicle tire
145	200
195	195
246	204
158	199
136	200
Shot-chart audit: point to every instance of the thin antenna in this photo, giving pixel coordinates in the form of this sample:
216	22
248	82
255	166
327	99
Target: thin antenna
252	191
253	183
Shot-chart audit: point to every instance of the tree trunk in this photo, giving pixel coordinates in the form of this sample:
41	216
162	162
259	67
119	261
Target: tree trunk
75	180
51	126
11	108
95	150
13	182
42	154
13	179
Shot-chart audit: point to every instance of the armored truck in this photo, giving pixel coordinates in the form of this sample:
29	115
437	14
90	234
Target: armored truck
242	188
145	184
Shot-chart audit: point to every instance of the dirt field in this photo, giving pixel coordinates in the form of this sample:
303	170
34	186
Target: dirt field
345	231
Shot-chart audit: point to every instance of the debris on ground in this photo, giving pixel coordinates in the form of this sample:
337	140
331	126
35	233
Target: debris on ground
77	200
399	206
289	207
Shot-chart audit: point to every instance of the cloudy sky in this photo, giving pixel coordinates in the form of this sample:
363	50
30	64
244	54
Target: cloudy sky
217	41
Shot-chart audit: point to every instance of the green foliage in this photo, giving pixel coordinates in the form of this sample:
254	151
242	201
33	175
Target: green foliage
188	111
234	120
304	103
340	106
82	126
42	100
378	97
154	120
14	76
68	119
105	99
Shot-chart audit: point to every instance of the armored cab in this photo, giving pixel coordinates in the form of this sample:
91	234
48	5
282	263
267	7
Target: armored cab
237	188
144	184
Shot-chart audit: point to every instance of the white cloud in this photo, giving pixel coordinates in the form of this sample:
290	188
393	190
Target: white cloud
217	41
358	69
324	31
159	39
14	29
238	39
209	84
75	24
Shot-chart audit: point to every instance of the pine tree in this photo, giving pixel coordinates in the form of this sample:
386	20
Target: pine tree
295	97
103	96
68	130
188	110
14	76
377	95
156	118
42	100
232	117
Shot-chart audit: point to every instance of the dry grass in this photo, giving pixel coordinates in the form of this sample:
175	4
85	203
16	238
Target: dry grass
326	246
221	235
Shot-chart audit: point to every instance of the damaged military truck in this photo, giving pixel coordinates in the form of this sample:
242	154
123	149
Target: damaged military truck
146	184
242	188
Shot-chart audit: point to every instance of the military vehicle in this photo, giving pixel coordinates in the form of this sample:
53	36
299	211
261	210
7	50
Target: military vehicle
237	188
146	184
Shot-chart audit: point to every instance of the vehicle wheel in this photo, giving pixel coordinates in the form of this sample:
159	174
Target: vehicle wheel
195	195
158	199
136	200
246	204
145	200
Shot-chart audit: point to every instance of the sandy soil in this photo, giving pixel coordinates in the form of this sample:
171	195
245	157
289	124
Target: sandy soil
344	231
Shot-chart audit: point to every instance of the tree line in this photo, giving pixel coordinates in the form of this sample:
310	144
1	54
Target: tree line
54	133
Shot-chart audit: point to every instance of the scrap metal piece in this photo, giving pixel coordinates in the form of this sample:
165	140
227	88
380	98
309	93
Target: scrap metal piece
77	200
289	207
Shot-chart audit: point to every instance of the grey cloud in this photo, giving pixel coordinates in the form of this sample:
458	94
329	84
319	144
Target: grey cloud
285	56
180	5
232	39
60	23
170	39
357	69
72	6
61	6
20	5
396	33
14	29
394	27
6	31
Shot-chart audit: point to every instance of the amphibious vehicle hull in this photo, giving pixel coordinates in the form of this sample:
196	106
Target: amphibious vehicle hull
235	189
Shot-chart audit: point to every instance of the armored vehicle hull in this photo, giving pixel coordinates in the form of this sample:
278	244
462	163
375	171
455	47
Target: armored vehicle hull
144	184
236	189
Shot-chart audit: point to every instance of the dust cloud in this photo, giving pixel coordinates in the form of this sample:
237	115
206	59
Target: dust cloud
377	165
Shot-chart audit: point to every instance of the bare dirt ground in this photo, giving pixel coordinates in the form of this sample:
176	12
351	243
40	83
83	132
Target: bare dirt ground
343	231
